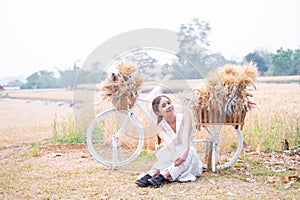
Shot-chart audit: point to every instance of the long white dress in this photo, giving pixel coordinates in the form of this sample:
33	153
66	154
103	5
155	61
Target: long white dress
191	167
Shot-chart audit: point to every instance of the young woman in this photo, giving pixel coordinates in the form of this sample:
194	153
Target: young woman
178	159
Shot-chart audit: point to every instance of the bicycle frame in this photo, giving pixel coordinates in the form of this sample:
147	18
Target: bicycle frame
145	112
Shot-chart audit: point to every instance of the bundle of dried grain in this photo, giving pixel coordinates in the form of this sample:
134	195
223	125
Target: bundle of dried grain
226	93
121	88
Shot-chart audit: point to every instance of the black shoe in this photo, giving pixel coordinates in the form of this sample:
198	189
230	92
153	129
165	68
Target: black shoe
157	180
143	182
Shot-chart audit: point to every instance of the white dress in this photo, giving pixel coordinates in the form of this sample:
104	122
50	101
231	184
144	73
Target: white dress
191	167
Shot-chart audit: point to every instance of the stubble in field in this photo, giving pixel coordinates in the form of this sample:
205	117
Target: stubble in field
27	123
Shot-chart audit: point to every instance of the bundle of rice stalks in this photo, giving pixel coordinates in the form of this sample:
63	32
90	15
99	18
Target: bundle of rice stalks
228	74
202	96
228	89
126	68
248	75
238	98
214	81
121	88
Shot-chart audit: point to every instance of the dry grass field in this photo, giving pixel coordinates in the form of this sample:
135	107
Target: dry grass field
31	169
42	94
276	116
25	122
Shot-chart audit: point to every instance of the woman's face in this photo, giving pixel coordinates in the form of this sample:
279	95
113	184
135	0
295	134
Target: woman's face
165	107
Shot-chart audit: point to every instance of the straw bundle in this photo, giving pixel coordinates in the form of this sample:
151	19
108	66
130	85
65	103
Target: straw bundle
121	88
202	95
226	90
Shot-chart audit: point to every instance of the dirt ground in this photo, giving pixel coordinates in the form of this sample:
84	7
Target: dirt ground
33	167
68	171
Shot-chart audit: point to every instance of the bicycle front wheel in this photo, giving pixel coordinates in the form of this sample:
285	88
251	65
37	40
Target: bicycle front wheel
115	138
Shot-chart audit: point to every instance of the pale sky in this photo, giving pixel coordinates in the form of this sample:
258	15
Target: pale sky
43	34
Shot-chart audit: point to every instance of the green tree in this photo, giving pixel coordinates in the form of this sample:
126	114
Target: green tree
70	78
284	62
41	79
67	78
296	61
193	48
265	54
216	60
88	77
147	66
258	60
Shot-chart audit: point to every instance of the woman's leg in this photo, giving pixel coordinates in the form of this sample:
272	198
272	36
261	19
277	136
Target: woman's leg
153	172
143	181
166	174
189	169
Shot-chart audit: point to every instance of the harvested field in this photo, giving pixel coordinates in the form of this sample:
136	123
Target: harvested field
22	122
33	169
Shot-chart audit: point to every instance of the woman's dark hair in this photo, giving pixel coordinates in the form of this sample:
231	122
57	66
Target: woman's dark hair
155	104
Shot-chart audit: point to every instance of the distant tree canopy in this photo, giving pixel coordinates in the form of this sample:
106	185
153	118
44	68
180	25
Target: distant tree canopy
71	78
67	79
41	79
195	59
193	48
285	62
255	58
146	64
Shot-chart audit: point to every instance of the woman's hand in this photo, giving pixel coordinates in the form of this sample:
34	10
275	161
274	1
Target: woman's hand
178	161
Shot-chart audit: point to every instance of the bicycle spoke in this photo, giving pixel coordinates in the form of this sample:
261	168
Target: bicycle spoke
114	151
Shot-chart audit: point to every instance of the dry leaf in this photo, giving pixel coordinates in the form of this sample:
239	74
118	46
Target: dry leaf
272	179
285	179
84	156
246	146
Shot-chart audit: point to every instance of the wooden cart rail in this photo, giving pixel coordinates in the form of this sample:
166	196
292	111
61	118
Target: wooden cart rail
212	116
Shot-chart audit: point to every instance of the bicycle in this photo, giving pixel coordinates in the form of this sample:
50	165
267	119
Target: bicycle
116	137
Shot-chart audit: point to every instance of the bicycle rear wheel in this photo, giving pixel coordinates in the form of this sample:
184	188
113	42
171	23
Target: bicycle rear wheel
115	138
228	142
229	145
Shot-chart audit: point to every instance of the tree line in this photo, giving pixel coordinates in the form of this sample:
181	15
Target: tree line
67	79
193	60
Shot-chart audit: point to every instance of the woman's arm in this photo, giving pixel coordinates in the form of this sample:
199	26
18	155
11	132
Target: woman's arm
187	126
168	142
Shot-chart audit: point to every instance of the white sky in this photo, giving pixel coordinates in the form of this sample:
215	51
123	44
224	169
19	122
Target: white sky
43	34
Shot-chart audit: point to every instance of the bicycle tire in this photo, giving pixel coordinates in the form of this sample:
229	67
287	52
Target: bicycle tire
115	138
232	152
